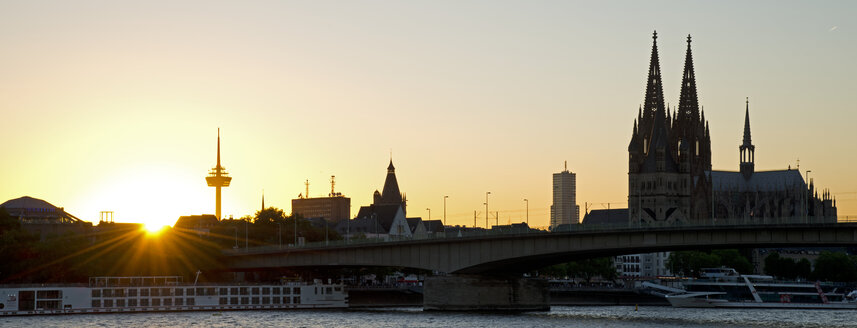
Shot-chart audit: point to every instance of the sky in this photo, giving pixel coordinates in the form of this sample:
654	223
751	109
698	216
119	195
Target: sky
115	105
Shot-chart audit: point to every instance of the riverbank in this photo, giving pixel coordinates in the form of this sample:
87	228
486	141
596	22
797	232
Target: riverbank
401	297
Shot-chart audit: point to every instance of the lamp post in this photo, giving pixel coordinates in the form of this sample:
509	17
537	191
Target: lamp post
429	210
444	209
527	201
486	208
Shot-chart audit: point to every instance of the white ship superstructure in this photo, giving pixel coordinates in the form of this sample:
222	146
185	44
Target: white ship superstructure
166	293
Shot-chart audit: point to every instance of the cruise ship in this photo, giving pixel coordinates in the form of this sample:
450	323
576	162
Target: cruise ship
166	293
725	288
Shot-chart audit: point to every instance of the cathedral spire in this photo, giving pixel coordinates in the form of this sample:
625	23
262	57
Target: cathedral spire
688	105
747	150
654	90
747	139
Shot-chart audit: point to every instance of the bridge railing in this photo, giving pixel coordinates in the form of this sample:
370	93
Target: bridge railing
457	232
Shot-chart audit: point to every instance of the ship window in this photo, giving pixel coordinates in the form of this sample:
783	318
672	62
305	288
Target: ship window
297	300
266	291
224	291
328	290
233	301
190	301
48	305
120	303
168	302
244	291
107	293
287	290
316	290
118	293
180	291
96	303
156	302
108	303
276	290
132	292
132	302
53	294
201	291
255	300
245	300
255	290
179	301
190	292
166	291
338	289
266	300
96	293
297	291
233	291
276	300
144	302
144	292
156	291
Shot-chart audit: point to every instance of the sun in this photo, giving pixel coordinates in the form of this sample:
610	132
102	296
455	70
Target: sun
153	228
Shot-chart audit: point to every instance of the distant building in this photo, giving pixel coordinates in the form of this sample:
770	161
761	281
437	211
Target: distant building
670	176
391	194
198	224
377	221
631	265
42	218
564	209
334	208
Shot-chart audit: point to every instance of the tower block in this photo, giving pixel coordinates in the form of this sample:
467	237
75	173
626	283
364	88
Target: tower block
218	177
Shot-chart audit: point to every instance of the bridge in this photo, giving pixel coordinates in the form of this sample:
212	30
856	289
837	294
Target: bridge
482	272
524	252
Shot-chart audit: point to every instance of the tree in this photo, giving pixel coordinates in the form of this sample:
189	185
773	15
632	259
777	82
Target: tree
689	263
731	258
837	267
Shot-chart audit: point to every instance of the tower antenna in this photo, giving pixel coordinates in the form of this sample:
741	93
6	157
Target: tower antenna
332	183
218	178
306	195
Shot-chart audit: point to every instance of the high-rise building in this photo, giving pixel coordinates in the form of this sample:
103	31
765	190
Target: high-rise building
564	209
333	208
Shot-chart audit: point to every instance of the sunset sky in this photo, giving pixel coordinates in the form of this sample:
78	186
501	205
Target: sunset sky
114	106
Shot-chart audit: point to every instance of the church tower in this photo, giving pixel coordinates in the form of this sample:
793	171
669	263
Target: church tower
390	195
747	150
659	181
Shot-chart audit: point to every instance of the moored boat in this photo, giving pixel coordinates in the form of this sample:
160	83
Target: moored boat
725	288
166	293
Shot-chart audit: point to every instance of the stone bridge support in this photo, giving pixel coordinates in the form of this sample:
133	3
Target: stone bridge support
485	293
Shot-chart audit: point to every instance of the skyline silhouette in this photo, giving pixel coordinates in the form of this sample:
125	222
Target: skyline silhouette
111	107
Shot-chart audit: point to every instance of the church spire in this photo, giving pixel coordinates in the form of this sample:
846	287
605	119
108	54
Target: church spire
747	139
654	91
688	105
748	151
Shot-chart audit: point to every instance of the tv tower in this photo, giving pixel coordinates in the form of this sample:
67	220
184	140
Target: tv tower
218	177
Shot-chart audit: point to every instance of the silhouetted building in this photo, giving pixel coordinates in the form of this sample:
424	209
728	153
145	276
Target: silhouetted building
42	218
669	166
749	194
198	224
390	194
608	217
377	221
564	209
334	208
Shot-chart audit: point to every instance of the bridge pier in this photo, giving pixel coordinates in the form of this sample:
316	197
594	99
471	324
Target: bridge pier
485	293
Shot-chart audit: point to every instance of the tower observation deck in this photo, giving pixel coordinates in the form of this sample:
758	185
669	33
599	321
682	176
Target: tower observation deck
218	177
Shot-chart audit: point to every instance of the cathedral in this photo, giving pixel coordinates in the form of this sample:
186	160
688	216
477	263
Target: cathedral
670	178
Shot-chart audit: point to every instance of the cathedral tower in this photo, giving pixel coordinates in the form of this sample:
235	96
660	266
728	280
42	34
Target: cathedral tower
747	150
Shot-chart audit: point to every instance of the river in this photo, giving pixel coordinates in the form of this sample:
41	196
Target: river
559	316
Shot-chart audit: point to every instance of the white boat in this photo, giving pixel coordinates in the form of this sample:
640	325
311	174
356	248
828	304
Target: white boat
166	293
725	288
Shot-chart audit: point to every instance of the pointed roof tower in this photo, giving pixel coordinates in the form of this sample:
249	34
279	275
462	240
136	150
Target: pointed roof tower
747	139
747	150
654	100
391	194
688	105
